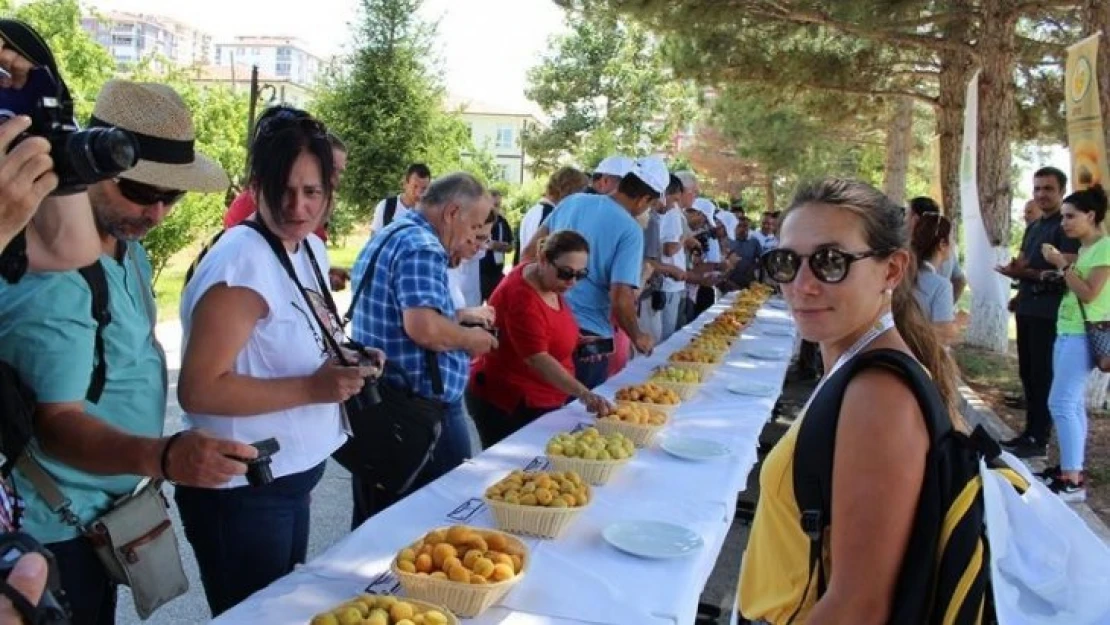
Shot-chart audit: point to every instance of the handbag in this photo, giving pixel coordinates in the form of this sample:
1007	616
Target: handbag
394	431
1098	339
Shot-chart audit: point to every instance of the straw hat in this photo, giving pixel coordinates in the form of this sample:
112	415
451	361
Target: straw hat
163	126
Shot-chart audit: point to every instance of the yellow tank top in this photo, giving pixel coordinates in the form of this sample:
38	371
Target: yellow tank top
775	566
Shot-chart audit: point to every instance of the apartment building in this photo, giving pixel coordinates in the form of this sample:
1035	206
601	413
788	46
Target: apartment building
131	37
285	58
498	128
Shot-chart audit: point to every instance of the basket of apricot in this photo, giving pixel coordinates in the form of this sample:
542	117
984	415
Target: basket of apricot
706	362
682	380
639	422
589	454
466	569
651	395
385	610
537	503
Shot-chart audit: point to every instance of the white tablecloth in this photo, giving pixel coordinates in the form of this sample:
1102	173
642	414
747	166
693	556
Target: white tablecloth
578	578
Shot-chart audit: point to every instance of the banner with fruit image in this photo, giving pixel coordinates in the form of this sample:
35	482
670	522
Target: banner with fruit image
1085	135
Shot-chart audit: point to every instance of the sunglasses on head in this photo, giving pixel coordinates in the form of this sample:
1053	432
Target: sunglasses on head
286	120
567	274
829	265
147	195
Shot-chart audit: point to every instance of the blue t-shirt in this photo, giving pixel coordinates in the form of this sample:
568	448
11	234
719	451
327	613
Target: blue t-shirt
934	293
616	255
46	334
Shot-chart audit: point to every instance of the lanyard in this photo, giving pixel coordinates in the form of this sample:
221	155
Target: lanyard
883	324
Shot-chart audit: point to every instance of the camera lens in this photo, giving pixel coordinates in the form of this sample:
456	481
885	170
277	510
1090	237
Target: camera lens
101	153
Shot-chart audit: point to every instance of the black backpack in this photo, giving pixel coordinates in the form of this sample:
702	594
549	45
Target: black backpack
945	575
390	210
547	208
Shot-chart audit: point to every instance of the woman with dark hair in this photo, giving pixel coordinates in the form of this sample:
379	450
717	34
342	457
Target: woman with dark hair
931	242
1087	299
258	366
847	275
532	370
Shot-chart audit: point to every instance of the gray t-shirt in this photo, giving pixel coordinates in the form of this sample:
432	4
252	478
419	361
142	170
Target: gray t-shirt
934	293
950	268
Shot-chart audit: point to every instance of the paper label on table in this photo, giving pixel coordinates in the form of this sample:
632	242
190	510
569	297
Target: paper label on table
580	427
539	463
384	584
466	510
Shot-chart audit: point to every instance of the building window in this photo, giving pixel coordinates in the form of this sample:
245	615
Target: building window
503	173
504	137
285	51
283	69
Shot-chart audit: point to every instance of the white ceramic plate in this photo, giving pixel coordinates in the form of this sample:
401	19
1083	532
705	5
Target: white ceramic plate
747	387
652	539
765	353
776	330
689	448
775	321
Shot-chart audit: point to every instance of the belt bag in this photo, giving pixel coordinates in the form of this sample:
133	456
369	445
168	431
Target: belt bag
1098	339
134	540
394	439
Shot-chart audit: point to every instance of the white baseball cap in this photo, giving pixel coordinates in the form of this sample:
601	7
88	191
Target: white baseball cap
653	172
706	207
617	165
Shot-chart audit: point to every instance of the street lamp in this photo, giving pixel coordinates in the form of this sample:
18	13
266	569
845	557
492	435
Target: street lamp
257	91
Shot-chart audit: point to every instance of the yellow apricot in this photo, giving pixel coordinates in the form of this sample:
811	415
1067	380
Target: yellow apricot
424	563
450	563
518	562
478	579
470	557
401	611
502	558
459	574
435	617
441	552
406	566
435	537
483	566
406	555
496	542
502	572
457	533
439	575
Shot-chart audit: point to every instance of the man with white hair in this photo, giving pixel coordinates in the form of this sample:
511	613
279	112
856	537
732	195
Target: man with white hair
608	223
609	173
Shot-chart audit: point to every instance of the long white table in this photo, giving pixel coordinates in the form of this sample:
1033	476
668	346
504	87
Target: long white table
577	578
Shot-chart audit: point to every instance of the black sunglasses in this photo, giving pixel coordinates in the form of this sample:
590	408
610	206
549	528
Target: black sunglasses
829	265
284	120
567	274
147	195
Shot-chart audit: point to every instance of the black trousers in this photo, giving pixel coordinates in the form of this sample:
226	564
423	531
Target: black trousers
495	424
1036	337
489	281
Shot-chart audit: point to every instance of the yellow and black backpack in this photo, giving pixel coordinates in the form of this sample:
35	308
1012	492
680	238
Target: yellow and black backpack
945	575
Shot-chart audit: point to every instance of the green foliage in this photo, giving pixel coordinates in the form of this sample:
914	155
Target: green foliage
520	198
607	90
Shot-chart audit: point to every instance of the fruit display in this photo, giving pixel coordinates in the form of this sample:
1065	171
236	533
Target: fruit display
466	569
710	343
541	488
639	422
384	610
695	356
634	415
589	444
649	393
677	375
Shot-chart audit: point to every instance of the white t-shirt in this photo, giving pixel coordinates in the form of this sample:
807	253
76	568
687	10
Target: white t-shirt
529	224
670	231
377	223
766	241
730	222
285	343
465	283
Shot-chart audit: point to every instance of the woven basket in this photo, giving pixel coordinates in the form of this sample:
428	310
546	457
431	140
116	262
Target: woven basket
465	600
421	607
640	435
596	472
536	521
676	365
685	391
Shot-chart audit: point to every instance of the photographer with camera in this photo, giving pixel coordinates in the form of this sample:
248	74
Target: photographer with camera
263	364
97	436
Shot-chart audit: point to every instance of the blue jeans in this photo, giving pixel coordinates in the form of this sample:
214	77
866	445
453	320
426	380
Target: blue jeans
91	593
1071	362
247	537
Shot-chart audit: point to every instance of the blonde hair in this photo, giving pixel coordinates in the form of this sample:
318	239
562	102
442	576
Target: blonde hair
565	181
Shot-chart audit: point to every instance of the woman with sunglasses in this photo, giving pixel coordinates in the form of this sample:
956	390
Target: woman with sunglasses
847	275
531	372
1087	298
258	365
931	242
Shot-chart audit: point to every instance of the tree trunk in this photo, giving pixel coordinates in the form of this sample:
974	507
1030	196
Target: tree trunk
769	191
955	71
899	144
998	54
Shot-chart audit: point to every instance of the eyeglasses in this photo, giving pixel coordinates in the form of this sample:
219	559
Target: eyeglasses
567	274
829	265
147	195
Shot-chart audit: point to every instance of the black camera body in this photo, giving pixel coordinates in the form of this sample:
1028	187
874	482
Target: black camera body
53	606
258	469
81	157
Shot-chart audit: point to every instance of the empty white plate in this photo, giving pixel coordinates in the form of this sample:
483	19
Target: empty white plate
775	321
693	448
747	387
652	539
776	330
765	353
777	303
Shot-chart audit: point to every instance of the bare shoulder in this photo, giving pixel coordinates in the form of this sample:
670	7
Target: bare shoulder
880	405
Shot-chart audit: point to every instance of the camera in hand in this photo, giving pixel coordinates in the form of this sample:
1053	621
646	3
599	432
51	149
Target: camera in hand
81	157
52	607
258	469
369	394
491	329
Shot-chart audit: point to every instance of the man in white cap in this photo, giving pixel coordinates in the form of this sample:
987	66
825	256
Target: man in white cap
608	223
84	342
609	173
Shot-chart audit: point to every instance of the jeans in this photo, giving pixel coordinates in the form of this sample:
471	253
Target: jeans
1071	362
452	449
669	316
247	537
592	372
1036	338
91	593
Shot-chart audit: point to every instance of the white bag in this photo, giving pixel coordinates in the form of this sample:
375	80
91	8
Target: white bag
1047	566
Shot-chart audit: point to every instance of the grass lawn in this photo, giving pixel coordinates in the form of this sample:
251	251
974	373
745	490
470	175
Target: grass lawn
167	288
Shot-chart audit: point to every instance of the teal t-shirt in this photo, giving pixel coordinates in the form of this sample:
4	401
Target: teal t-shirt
46	334
1070	320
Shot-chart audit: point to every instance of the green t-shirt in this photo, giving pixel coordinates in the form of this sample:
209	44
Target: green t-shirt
1070	320
46	334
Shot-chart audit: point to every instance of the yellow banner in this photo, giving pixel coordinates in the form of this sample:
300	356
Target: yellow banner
1085	137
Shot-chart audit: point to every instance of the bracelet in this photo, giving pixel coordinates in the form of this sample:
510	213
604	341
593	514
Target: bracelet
165	462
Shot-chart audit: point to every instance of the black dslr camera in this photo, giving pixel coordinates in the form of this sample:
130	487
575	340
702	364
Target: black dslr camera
258	469
52	608
81	157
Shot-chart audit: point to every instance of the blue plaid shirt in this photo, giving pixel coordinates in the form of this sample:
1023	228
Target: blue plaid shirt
411	272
